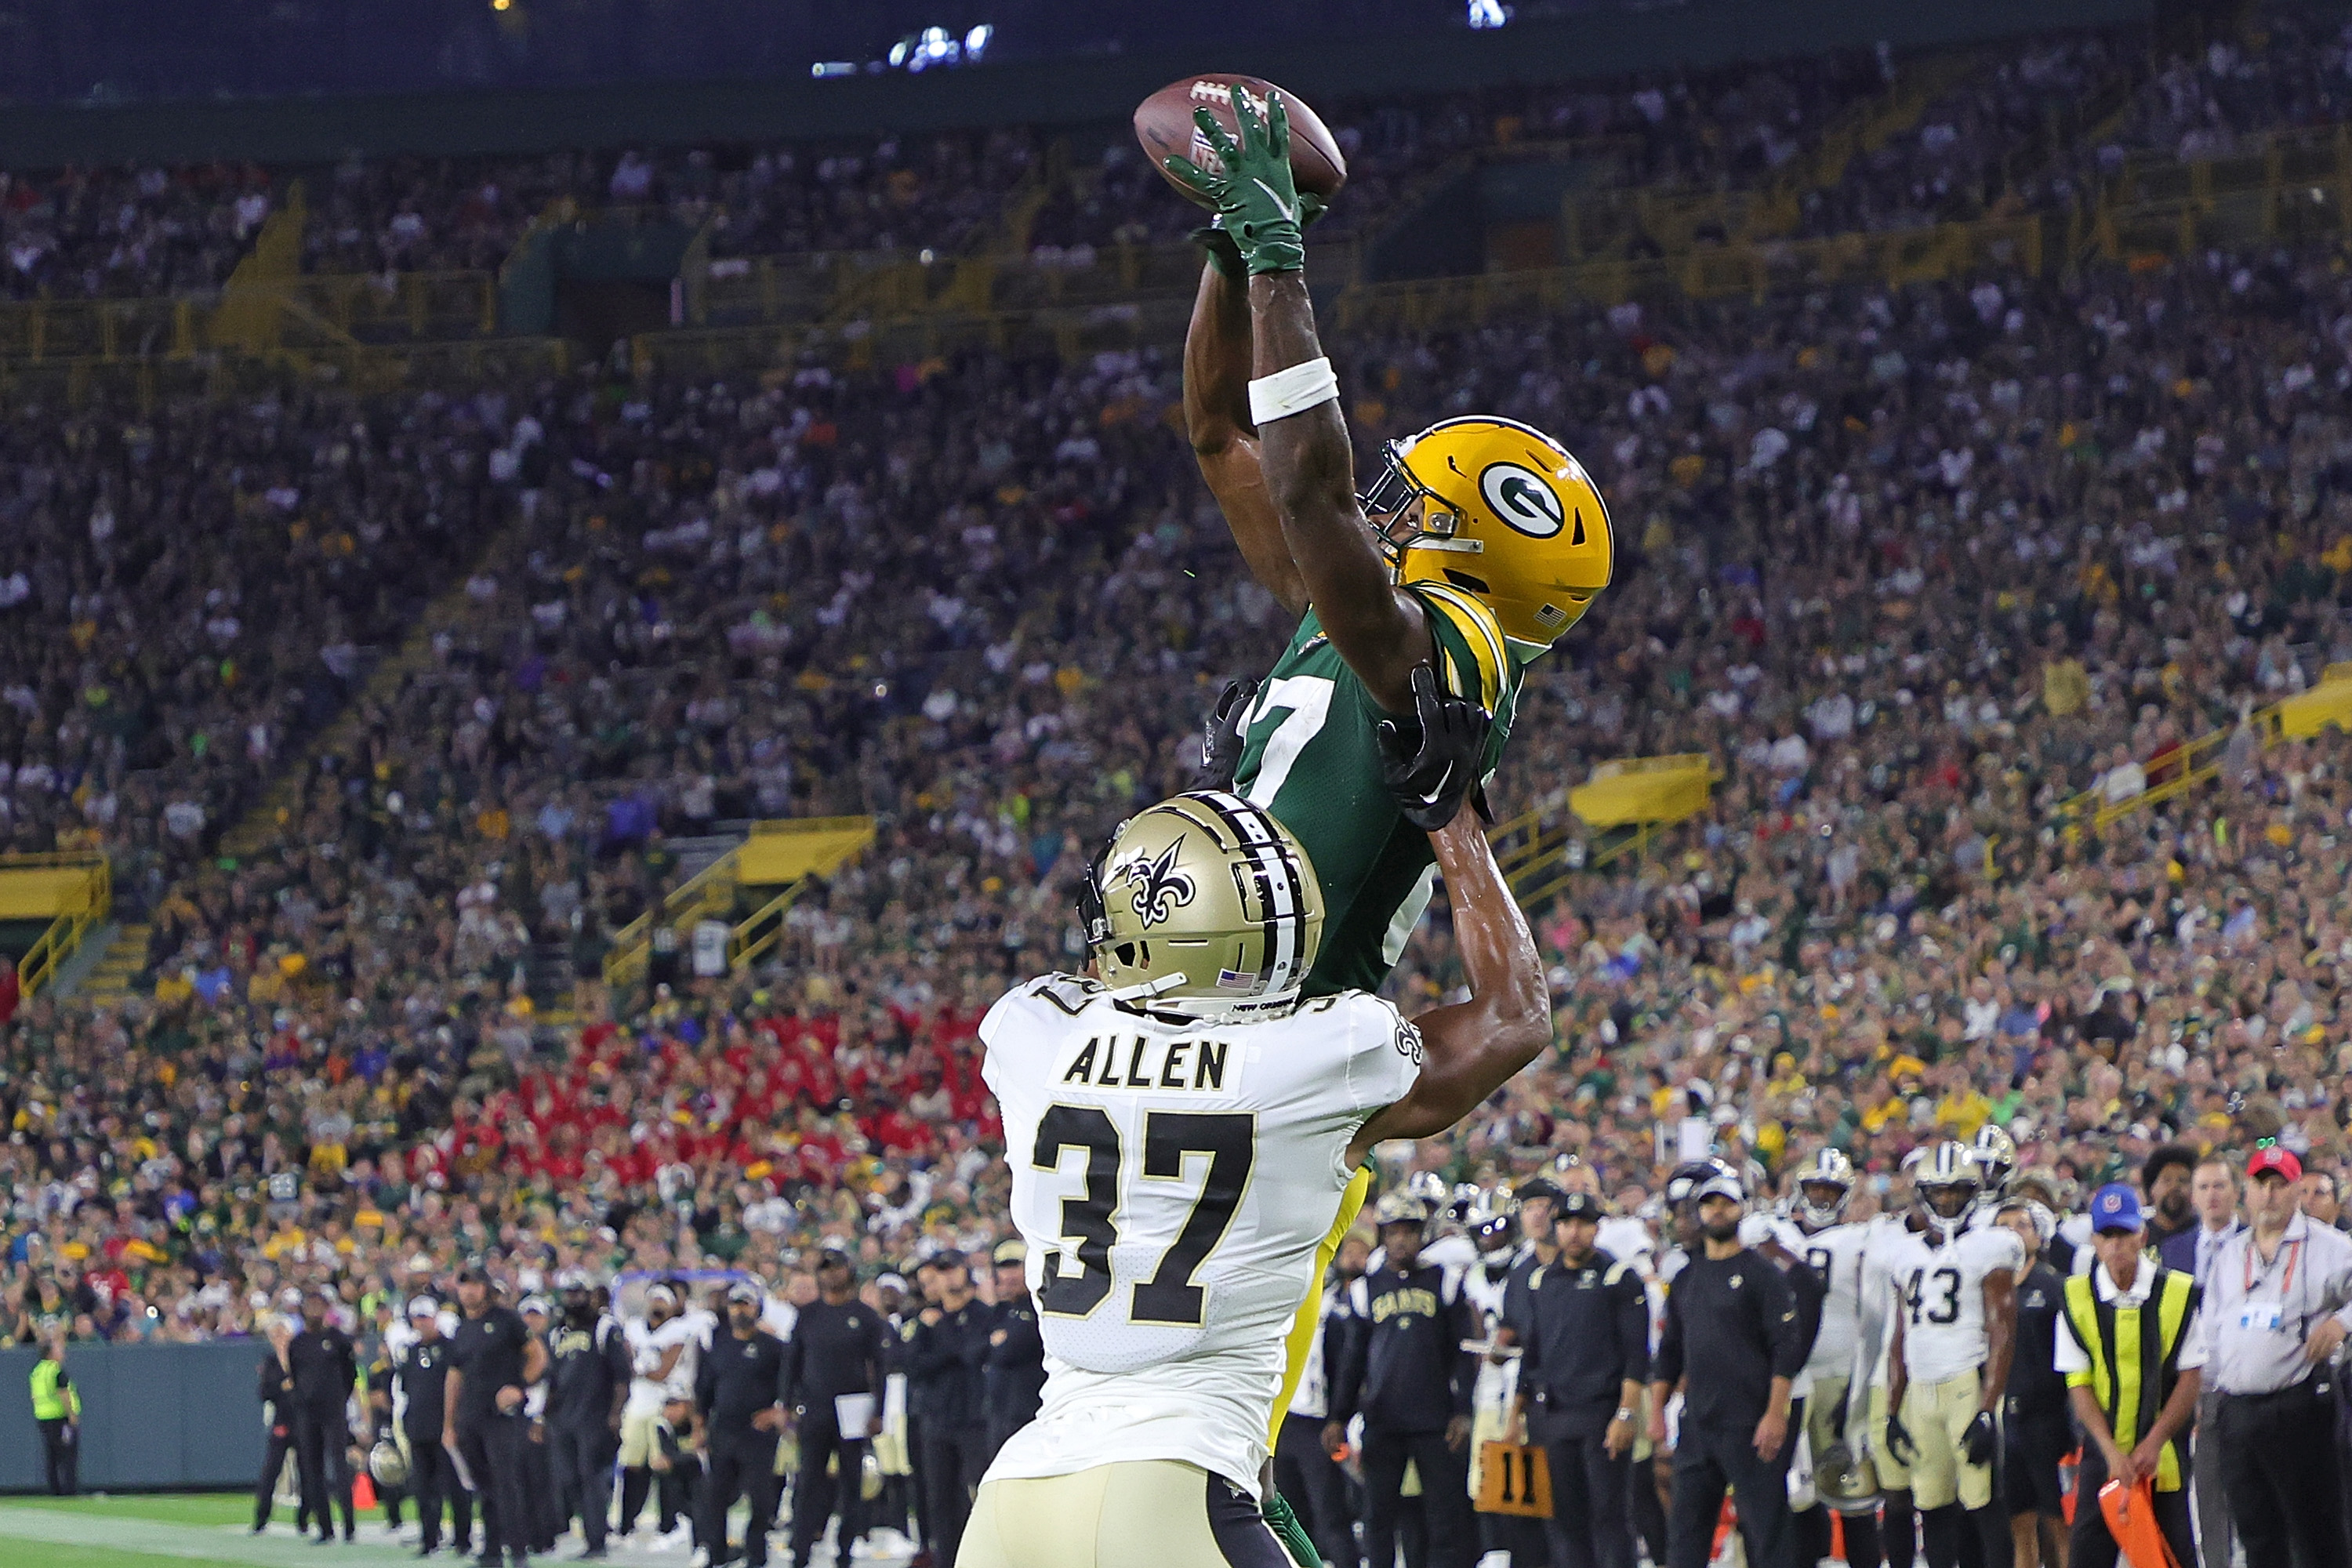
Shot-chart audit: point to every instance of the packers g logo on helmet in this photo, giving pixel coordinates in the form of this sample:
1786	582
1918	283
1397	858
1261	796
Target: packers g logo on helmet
1508	516
1523	499
1203	905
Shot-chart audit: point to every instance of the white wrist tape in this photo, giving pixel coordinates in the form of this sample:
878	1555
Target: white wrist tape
1292	391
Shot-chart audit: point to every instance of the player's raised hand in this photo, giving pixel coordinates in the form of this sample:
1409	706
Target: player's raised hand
1252	186
1431	761
1220	737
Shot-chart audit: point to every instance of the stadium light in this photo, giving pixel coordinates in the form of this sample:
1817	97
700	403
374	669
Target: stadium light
823	69
1486	14
975	43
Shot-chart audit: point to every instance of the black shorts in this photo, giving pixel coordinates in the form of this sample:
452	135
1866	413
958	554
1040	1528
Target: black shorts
2034	1445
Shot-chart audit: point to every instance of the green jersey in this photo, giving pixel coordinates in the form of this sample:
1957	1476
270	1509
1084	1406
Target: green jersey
1309	756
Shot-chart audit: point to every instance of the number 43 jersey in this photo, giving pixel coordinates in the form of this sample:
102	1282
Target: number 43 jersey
1938	1292
1310	755
1174	1181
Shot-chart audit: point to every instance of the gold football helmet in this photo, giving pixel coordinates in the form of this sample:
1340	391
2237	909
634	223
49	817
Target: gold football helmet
1203	905
1509	515
1402	1206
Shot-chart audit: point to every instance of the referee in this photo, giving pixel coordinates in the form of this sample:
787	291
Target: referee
1732	1338
2275	1316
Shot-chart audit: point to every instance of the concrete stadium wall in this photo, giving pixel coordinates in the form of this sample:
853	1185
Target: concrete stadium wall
1059	91
174	1417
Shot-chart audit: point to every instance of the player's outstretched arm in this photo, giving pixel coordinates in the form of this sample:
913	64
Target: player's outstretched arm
1474	1047
1308	467
1225	442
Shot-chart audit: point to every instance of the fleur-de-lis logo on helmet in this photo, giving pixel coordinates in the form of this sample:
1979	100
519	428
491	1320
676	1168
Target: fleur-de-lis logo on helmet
1156	888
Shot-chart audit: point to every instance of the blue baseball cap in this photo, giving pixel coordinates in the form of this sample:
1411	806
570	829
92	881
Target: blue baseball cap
2115	1207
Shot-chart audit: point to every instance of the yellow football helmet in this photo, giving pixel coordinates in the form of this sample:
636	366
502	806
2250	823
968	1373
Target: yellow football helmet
1510	516
1203	905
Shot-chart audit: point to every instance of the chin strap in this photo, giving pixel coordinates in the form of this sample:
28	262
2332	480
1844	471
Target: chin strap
1144	991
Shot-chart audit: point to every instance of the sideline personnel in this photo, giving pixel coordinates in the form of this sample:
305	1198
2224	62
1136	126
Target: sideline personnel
57	1409
2275	1316
1587	1355
1731	1325
738	1411
277	1390
492	1362
421	1376
2125	1320
946	1393
1410	1379
588	1382
836	1351
323	1367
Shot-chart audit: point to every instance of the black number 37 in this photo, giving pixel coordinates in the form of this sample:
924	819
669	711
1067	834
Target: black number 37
1230	1139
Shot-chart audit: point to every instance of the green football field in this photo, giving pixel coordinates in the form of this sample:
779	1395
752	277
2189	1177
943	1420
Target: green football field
205	1530
208	1530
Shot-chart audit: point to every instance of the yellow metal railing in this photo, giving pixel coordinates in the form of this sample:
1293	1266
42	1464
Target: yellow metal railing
762	928
1531	849
88	907
704	894
712	891
2197	762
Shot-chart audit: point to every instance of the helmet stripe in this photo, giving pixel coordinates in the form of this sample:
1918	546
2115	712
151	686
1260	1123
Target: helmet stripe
1277	874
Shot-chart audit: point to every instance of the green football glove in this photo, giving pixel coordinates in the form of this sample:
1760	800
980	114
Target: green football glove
1255	195
1211	237
1284	1522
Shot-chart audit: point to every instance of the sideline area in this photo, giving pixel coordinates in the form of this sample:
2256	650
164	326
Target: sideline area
209	1529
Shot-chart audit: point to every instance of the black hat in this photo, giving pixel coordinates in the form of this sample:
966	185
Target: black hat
1541	1187
474	1271
1579	1206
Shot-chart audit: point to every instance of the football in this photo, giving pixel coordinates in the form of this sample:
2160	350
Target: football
1163	124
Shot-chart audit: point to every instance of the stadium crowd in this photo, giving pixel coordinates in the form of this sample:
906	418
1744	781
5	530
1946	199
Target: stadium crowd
692	570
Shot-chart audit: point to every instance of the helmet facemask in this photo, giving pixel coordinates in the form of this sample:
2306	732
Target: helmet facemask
1390	498
1818	1214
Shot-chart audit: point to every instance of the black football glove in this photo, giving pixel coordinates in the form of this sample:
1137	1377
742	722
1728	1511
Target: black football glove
1431	761
1981	1441
1899	1439
1220	737
1212	237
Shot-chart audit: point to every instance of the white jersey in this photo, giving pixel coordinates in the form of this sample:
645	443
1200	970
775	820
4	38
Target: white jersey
1174	1181
701	1329
1623	1238
1313	1397
1938	1289
648	1343
1834	1255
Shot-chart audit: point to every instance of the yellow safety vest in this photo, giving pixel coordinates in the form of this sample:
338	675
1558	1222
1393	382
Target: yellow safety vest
2132	1371
49	1403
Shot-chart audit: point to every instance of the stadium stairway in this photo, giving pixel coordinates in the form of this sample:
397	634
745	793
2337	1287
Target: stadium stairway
120	957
